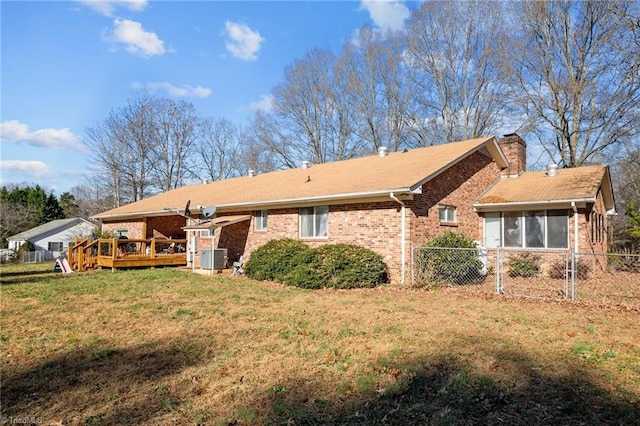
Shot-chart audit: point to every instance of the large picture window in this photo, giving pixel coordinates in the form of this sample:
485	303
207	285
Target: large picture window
314	222
533	229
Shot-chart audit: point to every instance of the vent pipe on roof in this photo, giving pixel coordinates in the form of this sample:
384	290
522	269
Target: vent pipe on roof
552	170
205	181
306	164
252	173
382	151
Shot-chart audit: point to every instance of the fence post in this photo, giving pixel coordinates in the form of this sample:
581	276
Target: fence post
573	274
497	269
412	264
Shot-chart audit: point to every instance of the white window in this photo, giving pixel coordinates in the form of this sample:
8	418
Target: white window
55	246
120	233
260	220
558	229
492	230
447	214
534	229
314	222
205	233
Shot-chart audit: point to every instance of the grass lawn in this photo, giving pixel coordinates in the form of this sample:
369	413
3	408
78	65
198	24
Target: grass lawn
166	346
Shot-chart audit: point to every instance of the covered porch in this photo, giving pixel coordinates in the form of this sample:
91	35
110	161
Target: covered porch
209	252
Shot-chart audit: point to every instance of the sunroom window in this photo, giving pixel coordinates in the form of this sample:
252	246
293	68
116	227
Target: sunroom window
314	222
530	229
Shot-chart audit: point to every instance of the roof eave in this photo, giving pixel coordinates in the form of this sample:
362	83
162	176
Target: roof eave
542	204
369	196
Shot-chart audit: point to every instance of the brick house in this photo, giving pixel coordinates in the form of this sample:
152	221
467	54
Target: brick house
388	202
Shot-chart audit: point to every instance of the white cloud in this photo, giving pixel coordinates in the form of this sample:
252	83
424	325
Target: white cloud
107	7
243	43
27	170
13	131
386	14
185	91
264	104
136	39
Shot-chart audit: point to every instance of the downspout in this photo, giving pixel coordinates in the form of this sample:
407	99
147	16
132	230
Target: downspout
575	226
403	242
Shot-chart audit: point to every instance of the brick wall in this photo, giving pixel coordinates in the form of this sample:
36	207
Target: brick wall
457	187
134	228
515	149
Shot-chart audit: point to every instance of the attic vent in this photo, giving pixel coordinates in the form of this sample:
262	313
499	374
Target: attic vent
552	170
382	151
306	164
252	173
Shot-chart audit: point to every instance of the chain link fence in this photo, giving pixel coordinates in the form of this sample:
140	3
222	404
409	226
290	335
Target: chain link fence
540	274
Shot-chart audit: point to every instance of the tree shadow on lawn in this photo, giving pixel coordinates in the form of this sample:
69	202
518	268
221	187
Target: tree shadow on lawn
10	278
443	390
99	384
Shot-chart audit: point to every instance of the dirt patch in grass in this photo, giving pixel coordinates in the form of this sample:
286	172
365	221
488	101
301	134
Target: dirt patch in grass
165	347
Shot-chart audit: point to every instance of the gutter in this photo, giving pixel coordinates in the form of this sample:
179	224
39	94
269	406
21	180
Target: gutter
403	234
517	205
575	227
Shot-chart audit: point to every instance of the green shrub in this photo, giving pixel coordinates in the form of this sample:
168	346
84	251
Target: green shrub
451	258
274	260
26	247
524	265
338	266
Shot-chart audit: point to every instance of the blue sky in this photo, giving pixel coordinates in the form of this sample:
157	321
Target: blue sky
65	65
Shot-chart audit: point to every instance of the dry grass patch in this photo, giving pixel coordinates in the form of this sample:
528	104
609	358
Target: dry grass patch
165	347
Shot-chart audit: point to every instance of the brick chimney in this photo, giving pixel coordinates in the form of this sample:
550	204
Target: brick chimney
515	149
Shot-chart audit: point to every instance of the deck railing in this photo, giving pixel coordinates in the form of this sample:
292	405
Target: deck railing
114	252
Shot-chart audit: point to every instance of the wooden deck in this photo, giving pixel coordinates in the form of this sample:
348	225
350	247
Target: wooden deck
125	253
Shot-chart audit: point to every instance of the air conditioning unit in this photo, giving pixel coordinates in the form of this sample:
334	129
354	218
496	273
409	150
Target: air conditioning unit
219	258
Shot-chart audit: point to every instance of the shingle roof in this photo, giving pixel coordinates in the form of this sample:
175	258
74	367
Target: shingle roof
358	177
47	227
573	184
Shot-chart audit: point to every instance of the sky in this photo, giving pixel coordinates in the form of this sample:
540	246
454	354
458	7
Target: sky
65	65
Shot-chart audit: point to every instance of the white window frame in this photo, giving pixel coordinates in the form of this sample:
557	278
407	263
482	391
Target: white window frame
121	233
205	233
317	213
260	220
450	215
521	216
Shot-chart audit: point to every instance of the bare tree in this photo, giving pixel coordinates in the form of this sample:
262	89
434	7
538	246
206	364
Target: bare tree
574	66
377	88
121	146
453	52
218	149
93	196
309	119
143	147
175	129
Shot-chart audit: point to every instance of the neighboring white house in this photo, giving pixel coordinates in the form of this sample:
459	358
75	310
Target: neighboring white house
53	238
